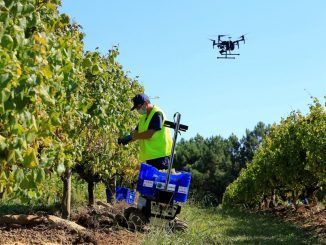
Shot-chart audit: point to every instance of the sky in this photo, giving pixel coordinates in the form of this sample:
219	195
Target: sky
166	43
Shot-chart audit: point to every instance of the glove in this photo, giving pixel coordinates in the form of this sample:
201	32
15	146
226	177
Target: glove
125	140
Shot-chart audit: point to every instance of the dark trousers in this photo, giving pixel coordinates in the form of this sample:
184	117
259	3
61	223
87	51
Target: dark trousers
159	163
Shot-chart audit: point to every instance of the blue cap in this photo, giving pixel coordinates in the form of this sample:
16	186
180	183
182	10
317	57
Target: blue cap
139	99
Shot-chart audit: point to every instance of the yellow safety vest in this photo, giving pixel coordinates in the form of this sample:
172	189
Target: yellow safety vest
160	144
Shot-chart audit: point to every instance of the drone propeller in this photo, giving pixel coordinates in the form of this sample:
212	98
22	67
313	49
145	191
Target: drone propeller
222	35
214	42
242	38
219	37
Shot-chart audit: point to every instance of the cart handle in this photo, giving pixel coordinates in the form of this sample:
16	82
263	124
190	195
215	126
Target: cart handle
177	127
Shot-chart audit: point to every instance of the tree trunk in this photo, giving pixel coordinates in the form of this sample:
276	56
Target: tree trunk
112	186
110	189
66	199
272	203
311	195
295	197
91	193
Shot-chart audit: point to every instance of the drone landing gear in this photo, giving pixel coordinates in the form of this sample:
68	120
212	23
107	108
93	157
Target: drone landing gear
226	56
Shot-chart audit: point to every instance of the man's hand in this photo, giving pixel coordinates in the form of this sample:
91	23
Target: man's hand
125	140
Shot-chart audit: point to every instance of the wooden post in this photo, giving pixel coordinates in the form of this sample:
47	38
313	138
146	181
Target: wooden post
66	199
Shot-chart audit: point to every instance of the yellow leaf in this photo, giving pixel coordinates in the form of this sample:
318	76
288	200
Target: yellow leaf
39	38
2	139
47	141
43	50
46	71
30	159
19	69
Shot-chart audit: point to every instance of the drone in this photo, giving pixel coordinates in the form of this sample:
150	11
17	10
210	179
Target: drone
226	47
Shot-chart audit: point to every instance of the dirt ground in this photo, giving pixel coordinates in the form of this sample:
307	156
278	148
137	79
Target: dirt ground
46	235
102	227
312	219
99	222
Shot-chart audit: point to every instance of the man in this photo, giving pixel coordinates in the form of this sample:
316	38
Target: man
154	138
155	143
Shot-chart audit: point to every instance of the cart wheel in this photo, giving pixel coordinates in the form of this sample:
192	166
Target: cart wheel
177	225
138	219
120	220
128	211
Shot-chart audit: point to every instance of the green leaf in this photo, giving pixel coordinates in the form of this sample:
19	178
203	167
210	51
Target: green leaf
96	69
3	177
4	80
3	144
18	8
22	143
9	3
31	194
7	41
61	168
40	175
45	96
11	156
17	129
55	120
34	20
5	95
87	63
65	19
19	175
29	8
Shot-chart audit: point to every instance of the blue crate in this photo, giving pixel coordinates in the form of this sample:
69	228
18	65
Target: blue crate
124	194
150	179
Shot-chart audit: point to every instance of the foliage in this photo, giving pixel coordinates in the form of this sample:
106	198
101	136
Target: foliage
107	103
58	105
292	157
40	68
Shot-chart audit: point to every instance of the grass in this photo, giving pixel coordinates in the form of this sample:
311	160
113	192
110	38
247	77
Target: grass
228	226
17	208
50	201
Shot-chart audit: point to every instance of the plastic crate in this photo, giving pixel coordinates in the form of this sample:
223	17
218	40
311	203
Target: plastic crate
150	179
124	194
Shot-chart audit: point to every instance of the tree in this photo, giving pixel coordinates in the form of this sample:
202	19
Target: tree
251	142
58	104
107	102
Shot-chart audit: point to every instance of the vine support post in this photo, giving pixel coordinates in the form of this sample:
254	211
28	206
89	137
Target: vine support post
66	199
